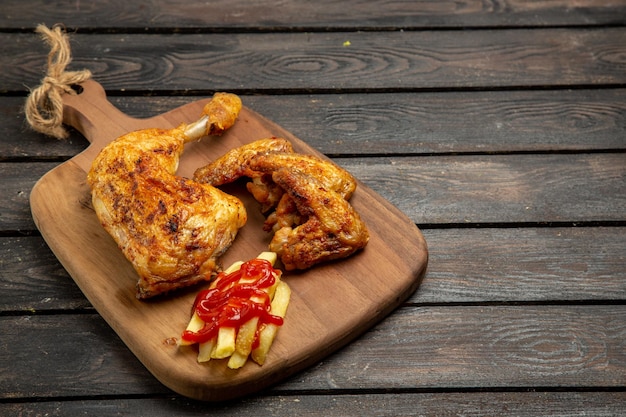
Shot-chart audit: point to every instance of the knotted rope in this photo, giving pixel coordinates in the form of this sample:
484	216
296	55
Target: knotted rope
44	106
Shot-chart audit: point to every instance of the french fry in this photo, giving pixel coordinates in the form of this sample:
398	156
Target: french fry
195	324
247	331
243	344
268	333
237	343
237	360
226	337
205	350
268	256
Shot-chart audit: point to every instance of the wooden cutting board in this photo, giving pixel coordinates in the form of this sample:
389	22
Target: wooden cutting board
331	304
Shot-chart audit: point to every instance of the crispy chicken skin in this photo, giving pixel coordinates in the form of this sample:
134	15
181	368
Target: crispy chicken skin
333	228
171	229
330	175
312	219
234	163
222	111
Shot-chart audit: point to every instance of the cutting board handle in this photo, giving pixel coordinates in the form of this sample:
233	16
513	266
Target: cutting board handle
91	113
100	122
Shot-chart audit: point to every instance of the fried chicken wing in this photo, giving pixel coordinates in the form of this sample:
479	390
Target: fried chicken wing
331	176
171	229
333	228
234	163
328	173
313	221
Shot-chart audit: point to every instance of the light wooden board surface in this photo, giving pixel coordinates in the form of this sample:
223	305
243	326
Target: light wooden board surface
331	304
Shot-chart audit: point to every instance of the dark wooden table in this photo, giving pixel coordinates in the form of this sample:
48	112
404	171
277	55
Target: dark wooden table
498	127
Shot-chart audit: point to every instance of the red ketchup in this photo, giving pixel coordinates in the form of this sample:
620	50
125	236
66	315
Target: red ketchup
229	302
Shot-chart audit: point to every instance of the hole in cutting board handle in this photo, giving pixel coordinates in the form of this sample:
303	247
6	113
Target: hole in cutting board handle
77	88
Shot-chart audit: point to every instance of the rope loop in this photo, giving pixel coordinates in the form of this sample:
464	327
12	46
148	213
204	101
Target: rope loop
44	105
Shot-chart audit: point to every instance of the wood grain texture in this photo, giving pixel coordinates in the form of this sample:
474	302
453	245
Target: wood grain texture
453	122
17	180
556	264
525	265
408	123
445	190
525	346
522	404
518	265
33	280
89	351
262	62
500	188
268	14
520	347
516	315
19	142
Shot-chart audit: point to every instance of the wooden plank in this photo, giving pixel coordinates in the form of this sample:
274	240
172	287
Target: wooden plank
262	62
17	180
428	348
443	190
483	347
500	188
88	349
33	280
522	404
518	265
524	265
267	14
409	123
19	142
432	123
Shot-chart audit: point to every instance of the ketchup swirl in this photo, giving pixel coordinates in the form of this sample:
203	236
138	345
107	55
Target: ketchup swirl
235	298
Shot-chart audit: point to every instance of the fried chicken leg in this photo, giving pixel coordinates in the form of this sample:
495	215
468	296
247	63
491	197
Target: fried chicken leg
171	229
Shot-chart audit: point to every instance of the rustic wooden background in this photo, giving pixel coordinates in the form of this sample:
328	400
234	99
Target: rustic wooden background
498	127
